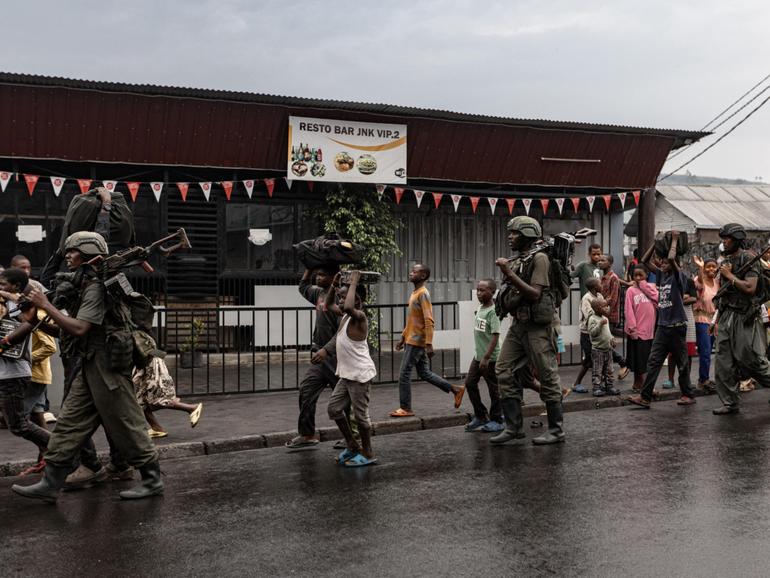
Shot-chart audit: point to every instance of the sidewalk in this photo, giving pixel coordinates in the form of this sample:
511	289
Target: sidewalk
250	421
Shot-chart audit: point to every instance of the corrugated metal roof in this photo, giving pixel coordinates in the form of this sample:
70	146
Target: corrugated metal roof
681	137
711	207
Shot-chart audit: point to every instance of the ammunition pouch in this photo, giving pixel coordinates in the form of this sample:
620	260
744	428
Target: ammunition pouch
120	350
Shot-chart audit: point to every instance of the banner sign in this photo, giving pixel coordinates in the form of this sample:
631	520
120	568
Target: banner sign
346	152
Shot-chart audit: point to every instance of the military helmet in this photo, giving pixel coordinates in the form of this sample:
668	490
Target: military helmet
527	226
734	230
88	243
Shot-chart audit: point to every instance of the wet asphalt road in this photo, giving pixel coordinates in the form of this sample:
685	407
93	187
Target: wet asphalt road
667	492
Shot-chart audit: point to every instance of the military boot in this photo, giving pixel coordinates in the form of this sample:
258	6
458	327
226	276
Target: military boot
151	484
47	489
514	429
555	434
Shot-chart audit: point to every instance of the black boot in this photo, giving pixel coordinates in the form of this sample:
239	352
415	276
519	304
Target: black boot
555	434
514	428
47	489
151	484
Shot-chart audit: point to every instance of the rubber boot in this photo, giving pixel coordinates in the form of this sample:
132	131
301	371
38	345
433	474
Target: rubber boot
47	489
514	429
555	434
151	484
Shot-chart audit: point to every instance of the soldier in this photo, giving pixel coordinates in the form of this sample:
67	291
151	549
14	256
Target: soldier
102	392
739	327
531	338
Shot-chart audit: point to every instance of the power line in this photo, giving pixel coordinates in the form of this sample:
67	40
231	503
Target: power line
736	102
712	145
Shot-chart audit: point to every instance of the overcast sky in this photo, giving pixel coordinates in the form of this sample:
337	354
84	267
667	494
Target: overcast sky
667	64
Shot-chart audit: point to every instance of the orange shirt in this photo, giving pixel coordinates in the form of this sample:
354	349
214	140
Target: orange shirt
419	319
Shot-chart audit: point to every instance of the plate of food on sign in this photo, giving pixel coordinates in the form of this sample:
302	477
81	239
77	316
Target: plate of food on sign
343	162
366	164
299	168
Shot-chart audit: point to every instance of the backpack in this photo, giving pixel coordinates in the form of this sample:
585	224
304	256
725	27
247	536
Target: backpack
329	249
83	211
663	244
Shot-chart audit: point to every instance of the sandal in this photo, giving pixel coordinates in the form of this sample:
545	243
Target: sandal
156	434
301	443
459	397
359	461
196	415
401	412
345	456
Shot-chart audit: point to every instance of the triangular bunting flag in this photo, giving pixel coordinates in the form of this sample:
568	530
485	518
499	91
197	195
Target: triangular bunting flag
183	190
544	203
109	185
474	203
622	197
418	195
31	181
270	184
437	198
607	200
157	188
288	183
456	201
84	185
228	187
4	178
380	190
560	204
636	195
527	204
575	203
57	183
511	203
492	203
133	190
590	200
399	193
250	186
206	188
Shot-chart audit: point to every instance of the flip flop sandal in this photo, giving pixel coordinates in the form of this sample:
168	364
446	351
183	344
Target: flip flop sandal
195	416
345	456
400	412
359	461
459	397
156	434
300	443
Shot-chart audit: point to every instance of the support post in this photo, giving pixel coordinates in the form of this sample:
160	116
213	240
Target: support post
646	221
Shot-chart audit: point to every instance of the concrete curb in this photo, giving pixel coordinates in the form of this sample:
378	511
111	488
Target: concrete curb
574	402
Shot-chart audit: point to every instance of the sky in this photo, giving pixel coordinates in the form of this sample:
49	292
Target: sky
663	64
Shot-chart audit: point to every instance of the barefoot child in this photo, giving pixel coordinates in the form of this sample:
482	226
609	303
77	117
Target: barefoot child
602	344
355	370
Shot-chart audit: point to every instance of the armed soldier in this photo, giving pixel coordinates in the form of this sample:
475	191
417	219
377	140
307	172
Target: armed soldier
102	392
739	326
532	336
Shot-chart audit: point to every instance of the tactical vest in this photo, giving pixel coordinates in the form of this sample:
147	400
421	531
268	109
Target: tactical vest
541	312
734	299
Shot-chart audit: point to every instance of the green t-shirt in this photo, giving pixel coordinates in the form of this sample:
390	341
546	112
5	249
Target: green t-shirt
584	271
486	325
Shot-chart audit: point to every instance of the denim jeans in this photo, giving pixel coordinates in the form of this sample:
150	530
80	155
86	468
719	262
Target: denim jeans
415	356
12	393
472	387
705	346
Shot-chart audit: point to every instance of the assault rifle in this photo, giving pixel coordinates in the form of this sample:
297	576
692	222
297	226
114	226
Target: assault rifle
758	258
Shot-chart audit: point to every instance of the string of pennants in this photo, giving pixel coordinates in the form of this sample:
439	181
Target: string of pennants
527	203
133	186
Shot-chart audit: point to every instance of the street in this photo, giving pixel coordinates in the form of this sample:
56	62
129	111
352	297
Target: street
667	492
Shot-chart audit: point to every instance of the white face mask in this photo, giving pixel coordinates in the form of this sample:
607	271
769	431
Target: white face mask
721	247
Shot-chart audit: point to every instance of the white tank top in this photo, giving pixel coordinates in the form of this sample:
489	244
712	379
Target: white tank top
353	359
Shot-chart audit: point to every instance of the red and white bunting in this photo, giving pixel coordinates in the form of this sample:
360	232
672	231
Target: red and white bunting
510	203
607	200
84	185
590	200
492	203
183	187
270	184
133	189
157	189
437	198
110	185
419	195
249	184
288	183
636	195
206	188
575	203
622	197
4	179
527	204
380	190
399	193
228	187
456	201
474	203
544	204
57	183
31	181
560	204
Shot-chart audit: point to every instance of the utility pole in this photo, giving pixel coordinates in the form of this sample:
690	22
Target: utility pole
646	220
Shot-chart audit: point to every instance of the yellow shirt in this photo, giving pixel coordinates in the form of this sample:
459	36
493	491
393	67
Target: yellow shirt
419	319
43	347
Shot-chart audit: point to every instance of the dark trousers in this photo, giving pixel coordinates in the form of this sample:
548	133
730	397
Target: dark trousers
472	387
667	340
12	392
415	357
317	378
